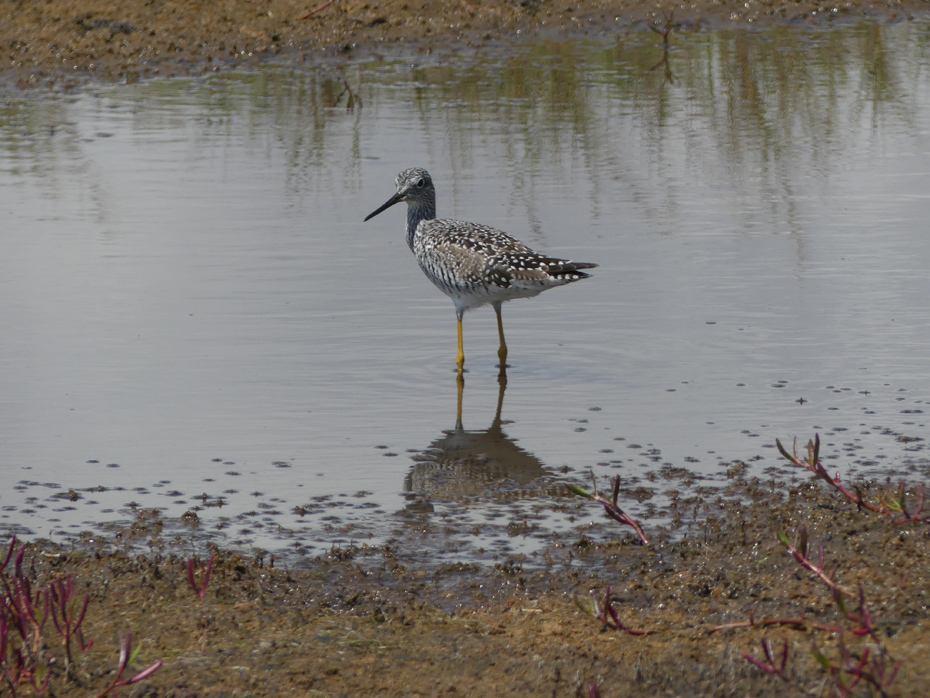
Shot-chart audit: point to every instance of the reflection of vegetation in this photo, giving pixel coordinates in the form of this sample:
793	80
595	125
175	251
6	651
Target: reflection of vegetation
665	32
27	130
766	105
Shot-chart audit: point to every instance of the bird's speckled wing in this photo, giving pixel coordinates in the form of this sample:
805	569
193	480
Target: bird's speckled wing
459	253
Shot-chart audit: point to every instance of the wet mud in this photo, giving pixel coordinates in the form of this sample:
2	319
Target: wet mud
63	43
380	621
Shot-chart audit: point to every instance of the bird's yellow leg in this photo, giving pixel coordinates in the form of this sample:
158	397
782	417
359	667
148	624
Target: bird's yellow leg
460	357
502	352
460	385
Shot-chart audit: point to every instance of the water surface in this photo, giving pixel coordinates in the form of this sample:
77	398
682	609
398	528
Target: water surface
196	318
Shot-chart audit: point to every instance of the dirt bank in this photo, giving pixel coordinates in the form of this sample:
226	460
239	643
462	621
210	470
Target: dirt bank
63	42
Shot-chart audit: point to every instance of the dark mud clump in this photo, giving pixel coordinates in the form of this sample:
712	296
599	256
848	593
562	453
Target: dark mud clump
63	42
368	621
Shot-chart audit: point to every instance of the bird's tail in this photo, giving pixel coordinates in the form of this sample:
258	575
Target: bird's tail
565	267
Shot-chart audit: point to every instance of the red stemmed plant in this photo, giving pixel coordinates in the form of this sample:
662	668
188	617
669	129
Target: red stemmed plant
896	506
126	655
610	505
25	655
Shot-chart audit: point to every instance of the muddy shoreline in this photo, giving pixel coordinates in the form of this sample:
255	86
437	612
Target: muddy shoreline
372	620
60	43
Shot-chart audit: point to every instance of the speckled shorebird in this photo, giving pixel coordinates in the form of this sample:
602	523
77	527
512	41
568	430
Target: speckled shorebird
474	264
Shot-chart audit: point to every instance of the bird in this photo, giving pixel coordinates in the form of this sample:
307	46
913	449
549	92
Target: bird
473	264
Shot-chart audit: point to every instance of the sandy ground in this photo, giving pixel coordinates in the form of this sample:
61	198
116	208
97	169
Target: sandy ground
63	42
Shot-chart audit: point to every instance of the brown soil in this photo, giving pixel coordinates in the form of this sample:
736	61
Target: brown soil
367	622
67	41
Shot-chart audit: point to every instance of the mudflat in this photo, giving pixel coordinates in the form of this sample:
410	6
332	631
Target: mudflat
676	617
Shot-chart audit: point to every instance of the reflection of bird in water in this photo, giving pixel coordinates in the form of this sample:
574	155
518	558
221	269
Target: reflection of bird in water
474	264
483	462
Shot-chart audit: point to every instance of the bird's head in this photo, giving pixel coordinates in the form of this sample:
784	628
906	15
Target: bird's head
414	186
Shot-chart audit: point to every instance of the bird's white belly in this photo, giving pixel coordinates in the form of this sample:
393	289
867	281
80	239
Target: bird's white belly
471	297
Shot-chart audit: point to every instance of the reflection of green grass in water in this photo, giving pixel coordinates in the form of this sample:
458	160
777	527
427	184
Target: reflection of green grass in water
771	103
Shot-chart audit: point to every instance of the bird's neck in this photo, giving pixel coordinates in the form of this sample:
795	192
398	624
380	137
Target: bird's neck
415	214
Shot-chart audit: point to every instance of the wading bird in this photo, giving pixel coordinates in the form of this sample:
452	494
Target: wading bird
474	264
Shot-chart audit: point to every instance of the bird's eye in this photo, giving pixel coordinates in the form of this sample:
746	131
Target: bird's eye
421	183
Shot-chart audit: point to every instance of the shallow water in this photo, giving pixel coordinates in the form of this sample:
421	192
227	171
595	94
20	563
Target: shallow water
196	318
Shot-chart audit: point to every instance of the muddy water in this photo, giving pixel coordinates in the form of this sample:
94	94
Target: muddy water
196	320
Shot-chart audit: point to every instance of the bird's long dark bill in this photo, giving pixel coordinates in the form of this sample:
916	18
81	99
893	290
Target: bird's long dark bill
390	202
